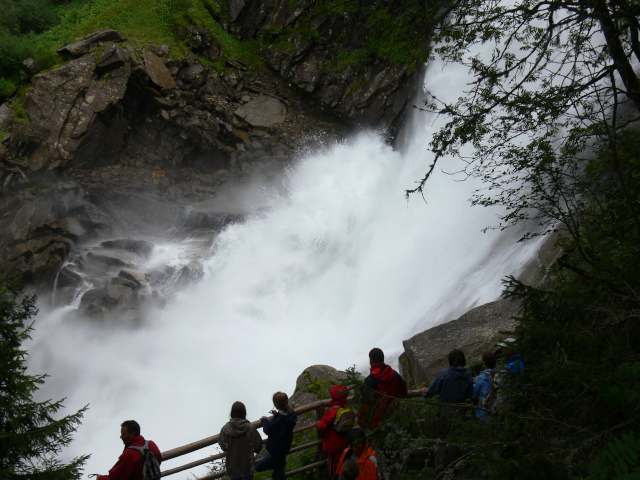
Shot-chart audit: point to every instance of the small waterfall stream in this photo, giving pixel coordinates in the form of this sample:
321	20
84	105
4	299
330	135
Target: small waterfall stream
334	262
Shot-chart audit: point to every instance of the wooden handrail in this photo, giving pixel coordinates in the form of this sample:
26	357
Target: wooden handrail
205	442
311	466
218	456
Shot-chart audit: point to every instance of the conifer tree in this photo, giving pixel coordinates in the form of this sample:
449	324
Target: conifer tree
30	436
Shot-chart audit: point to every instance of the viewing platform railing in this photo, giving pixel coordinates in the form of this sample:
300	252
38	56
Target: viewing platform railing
318	407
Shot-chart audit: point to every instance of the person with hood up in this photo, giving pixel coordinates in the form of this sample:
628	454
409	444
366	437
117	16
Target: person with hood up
453	384
240	440
333	442
388	383
280	436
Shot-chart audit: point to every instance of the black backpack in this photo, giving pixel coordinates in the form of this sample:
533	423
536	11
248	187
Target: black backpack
150	465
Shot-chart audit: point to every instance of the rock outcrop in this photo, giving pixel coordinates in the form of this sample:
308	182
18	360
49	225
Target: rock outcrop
372	94
143	125
474	332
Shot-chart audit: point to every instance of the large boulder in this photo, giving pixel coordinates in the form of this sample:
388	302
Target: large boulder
313	384
474	332
263	111
62	107
90	42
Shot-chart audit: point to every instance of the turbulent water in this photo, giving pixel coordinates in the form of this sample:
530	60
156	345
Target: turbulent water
336	262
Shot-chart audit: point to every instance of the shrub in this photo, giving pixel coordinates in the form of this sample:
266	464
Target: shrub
35	15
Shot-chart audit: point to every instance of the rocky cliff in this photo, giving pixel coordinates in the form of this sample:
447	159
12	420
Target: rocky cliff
92	144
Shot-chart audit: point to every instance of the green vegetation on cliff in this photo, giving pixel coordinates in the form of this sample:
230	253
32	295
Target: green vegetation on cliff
140	21
354	31
551	120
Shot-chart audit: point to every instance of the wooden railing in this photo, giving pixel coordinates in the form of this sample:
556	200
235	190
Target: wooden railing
318	406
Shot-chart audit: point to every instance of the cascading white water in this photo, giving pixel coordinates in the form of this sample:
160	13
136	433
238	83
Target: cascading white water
338	263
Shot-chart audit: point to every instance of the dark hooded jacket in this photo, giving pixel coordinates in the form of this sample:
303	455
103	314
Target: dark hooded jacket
453	384
333	441
280	432
240	440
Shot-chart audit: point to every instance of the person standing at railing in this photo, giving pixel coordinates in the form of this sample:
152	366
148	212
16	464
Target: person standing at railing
280	436
334	442
240	440
130	464
388	384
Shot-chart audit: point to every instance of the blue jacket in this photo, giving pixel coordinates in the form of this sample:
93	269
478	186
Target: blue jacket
481	389
453	384
280	433
514	364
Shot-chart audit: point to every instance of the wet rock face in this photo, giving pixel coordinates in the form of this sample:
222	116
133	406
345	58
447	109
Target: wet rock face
115	125
118	106
263	111
372	94
478	330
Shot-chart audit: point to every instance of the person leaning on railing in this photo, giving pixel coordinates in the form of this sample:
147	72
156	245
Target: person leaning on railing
280	436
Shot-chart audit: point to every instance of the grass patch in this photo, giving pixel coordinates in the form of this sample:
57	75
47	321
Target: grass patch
140	21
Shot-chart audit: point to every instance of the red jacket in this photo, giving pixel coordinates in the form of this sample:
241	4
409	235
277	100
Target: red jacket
334	442
385	380
129	465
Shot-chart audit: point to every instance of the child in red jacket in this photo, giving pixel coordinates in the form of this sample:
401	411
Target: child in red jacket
334	443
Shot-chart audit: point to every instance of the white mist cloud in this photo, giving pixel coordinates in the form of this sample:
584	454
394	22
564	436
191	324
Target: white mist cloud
335	262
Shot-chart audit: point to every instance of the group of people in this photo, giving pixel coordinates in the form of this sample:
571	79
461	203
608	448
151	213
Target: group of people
350	457
456	384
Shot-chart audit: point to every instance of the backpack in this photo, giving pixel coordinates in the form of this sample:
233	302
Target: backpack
150	465
495	398
345	420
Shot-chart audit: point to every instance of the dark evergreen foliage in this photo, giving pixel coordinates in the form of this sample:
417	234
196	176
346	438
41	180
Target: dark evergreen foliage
552	118
30	435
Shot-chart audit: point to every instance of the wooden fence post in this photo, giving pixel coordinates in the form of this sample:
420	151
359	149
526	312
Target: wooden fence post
322	473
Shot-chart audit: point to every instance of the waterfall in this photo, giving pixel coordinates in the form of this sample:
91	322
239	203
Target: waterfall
336	262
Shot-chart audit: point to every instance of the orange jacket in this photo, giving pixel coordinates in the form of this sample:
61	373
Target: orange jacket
368	463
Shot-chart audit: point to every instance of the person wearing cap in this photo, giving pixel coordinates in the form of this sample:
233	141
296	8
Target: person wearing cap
512	360
333	442
365	455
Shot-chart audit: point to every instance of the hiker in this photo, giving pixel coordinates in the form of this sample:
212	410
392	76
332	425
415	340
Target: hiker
453	384
482	384
334	442
129	465
240	440
512	360
360	450
349	470
280	436
386	381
